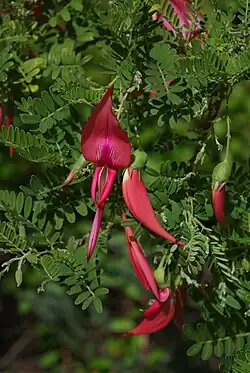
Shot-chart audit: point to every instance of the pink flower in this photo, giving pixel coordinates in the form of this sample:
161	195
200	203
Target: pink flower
137	200
106	144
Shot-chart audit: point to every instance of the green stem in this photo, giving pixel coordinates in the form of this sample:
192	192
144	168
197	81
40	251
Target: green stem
228	138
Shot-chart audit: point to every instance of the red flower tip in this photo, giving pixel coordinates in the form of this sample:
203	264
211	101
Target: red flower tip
103	141
218	201
156	317
96	225
137	200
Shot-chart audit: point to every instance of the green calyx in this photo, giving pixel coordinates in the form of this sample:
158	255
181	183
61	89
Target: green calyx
140	159
159	274
221	172
79	164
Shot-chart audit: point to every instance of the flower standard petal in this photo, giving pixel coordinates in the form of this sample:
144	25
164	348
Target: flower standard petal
137	200
103	141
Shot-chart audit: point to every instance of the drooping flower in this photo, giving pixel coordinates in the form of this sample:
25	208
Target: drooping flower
159	314
156	317
137	200
106	144
188	25
141	265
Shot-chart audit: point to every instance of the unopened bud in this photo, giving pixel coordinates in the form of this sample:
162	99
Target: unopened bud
77	167
140	159
221	173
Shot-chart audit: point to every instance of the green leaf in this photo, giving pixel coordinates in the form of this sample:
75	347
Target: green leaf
239	342
232	302
30	118
98	305
76	4
27	207
190	332
64	13
70	214
194	349
207	351
87	302
19	276
59	219
219	349
19	202
48	101
229	347
82	209
82	297
74	290
101	291
32	258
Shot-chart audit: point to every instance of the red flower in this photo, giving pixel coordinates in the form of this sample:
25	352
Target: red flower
137	200
218	200
106	144
159	314
141	265
156	317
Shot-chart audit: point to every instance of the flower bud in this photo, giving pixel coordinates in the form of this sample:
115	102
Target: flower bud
140	159
221	173
77	167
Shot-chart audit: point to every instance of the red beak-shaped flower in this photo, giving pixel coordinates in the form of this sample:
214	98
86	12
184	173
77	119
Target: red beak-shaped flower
159	314
142	267
218	200
106	144
156	317
137	200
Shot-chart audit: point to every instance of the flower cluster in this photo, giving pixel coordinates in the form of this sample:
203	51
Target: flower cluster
106	144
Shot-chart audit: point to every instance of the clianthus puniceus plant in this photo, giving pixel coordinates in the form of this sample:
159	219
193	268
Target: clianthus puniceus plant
126	110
